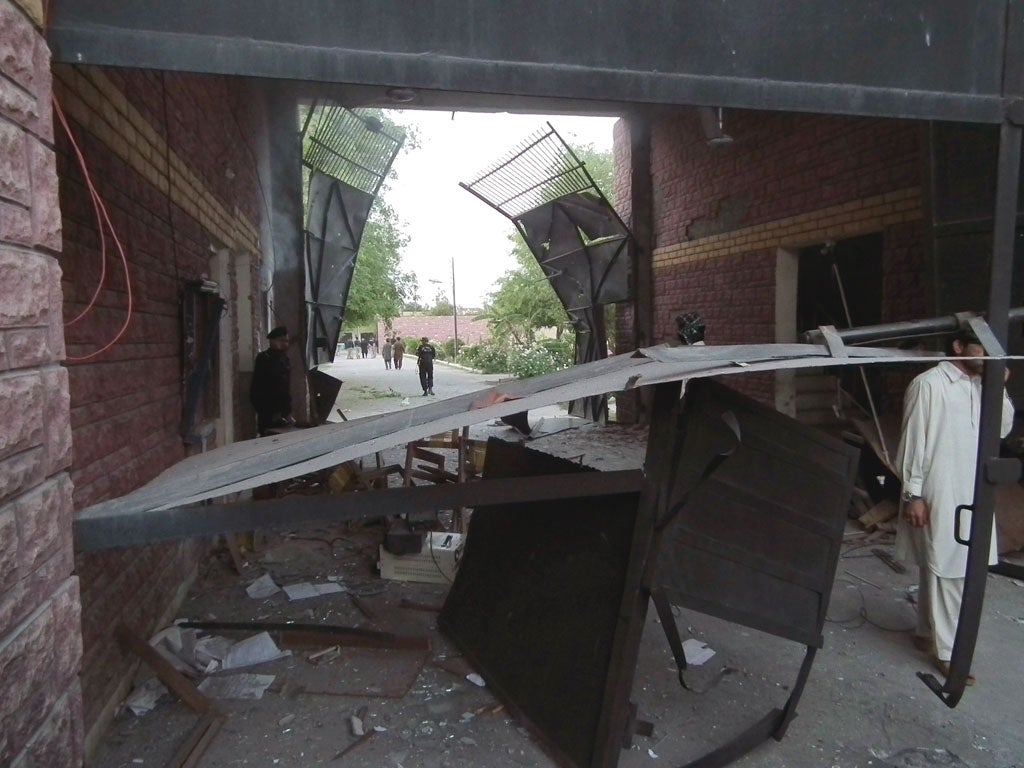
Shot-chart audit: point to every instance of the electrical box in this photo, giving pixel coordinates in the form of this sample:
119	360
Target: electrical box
435	564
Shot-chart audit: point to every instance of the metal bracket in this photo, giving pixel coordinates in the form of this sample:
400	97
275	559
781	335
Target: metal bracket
833	341
1014	110
1003	471
985	336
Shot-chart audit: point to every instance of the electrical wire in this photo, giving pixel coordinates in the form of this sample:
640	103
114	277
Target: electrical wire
102	208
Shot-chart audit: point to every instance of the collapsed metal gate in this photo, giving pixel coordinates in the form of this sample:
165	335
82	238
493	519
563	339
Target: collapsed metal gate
572	230
347	154
740	516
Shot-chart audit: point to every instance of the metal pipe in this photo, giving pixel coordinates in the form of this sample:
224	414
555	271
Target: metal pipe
903	330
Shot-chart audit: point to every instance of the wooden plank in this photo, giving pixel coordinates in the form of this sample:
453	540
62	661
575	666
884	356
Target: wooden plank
168	675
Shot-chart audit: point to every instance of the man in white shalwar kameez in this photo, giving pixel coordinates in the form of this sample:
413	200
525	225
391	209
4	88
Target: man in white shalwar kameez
936	458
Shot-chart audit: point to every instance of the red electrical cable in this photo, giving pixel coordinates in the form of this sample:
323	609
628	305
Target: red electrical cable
101	209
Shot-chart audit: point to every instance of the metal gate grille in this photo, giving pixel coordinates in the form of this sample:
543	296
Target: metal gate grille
571	229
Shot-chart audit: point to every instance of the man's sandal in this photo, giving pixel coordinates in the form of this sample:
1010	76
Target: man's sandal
943	667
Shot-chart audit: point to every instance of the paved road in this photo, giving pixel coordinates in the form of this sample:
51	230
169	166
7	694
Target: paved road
370	389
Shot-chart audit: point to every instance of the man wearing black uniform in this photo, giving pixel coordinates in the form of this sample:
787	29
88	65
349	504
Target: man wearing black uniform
270	392
425	355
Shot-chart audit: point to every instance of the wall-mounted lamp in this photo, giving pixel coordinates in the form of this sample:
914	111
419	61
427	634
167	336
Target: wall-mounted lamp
712	120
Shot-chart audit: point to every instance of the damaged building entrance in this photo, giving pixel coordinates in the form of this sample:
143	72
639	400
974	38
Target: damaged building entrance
839	284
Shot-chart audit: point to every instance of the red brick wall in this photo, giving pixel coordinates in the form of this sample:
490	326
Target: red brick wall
127	403
438	328
786	181
40	643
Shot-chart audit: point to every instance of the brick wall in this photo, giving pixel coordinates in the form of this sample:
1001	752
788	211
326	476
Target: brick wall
40	642
786	182
437	328
174	169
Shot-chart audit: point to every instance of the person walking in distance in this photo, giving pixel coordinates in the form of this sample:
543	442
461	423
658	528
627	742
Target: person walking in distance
936	459
425	355
385	351
398	350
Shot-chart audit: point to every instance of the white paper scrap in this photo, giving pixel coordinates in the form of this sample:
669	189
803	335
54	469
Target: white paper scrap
243	686
212	648
253	650
144	698
475	679
696	652
264	586
306	589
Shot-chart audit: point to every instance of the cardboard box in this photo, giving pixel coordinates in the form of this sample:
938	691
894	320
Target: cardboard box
435	564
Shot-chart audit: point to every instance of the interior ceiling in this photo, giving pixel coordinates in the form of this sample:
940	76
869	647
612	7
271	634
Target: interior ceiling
929	59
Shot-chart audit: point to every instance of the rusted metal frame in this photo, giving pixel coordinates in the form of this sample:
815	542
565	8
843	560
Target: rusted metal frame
983	507
615	709
311	635
295	512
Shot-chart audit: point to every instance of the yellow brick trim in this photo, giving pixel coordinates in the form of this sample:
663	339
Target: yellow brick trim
858	217
96	103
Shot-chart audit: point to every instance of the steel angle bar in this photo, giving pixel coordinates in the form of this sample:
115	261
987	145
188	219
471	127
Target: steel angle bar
657	373
300	511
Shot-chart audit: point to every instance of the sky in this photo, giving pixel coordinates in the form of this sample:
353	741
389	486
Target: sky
444	221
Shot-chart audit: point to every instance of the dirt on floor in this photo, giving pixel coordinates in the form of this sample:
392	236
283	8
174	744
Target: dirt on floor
863	705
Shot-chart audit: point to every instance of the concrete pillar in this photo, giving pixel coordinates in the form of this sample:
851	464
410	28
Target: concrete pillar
40	625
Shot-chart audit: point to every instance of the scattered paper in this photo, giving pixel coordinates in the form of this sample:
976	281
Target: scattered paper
475	679
650	753
212	649
306	589
696	652
144	698
264	586
253	650
357	725
243	686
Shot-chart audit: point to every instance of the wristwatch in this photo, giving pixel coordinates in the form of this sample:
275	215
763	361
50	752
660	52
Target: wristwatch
909	497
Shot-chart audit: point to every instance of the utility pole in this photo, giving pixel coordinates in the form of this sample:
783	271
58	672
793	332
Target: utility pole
455	318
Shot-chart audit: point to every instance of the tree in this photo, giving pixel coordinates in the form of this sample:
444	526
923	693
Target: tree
380	289
524	300
601	167
442	304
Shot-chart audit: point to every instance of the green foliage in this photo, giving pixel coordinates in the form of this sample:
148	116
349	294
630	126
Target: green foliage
379	286
494	356
446	350
524	301
486	357
442	306
601	167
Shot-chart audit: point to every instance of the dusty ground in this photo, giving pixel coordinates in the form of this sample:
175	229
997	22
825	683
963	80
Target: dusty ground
863	705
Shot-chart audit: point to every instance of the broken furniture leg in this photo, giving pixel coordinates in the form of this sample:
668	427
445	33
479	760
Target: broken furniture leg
190	751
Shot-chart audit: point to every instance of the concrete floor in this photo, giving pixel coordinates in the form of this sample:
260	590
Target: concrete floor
863	704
